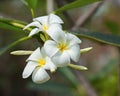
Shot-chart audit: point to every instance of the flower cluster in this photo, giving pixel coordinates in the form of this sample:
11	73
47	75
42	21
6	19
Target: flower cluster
58	51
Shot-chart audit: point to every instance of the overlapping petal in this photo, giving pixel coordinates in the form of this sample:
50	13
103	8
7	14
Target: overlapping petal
49	65
63	49
74	52
72	39
54	19
40	76
43	20
61	59
36	24
50	48
56	52
29	69
55	32
49	24
35	55
38	63
34	31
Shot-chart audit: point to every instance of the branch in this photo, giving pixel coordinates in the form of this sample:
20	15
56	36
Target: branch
82	19
60	3
50	6
85	84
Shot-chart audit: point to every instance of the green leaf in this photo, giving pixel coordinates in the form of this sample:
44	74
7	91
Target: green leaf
3	50
10	21
32	4
113	27
51	86
69	75
10	27
100	37
105	70
75	4
14	25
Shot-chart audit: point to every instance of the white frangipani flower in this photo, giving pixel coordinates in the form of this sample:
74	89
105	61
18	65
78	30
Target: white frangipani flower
64	47
37	65
48	24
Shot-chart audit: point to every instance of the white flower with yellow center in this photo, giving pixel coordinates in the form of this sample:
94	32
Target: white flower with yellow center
37	65
48	24
64	47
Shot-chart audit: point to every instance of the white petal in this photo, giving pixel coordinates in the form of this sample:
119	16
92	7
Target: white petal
55	32
35	55
72	39
49	65
34	31
43	20
74	52
37	24
29	69
54	19
40	76
50	48
43	53
61	59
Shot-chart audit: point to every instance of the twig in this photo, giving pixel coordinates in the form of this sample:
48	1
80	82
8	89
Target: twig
86	85
90	91
60	3
50	6
119	75
82	19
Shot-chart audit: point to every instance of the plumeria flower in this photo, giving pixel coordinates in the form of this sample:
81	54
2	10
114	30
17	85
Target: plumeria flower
48	24
37	65
64	47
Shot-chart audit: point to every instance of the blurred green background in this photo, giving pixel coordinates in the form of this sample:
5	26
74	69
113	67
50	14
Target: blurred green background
103	62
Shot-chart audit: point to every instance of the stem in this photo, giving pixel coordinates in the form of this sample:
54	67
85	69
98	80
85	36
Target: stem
14	44
60	3
82	19
50	6
32	12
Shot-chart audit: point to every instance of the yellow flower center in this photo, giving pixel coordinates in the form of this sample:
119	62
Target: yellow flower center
45	27
63	47
41	62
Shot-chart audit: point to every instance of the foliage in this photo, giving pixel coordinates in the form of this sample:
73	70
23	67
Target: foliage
98	80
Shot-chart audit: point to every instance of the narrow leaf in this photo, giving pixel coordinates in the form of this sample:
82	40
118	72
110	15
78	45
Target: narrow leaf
11	24
100	37
51	86
69	75
10	27
113	27
32	4
3	50
9	21
75	4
